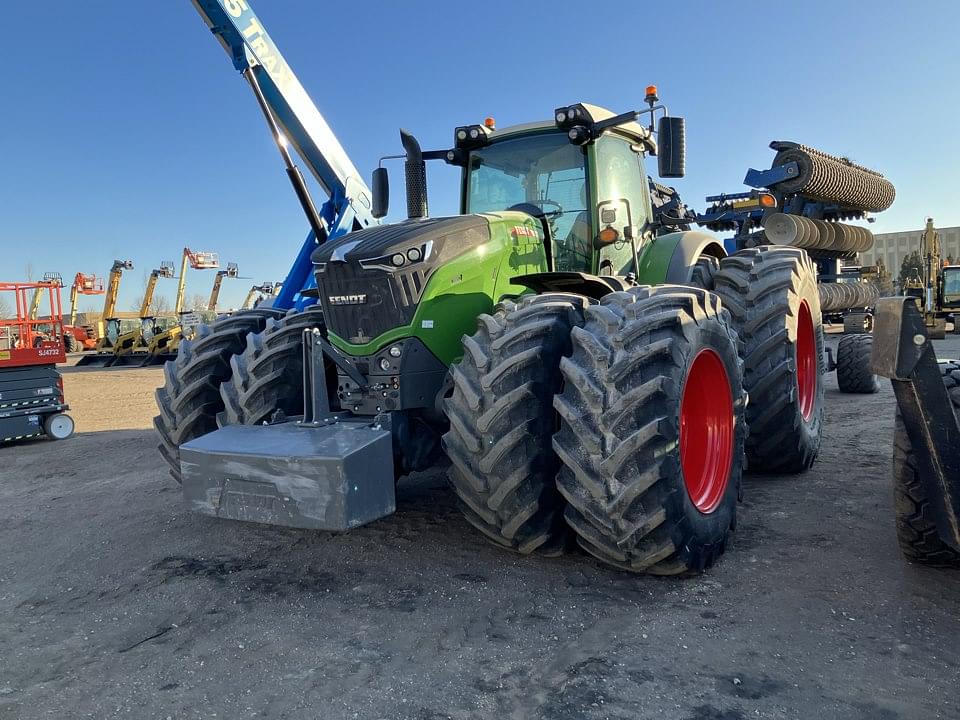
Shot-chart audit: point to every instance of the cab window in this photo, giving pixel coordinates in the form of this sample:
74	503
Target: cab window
544	170
622	200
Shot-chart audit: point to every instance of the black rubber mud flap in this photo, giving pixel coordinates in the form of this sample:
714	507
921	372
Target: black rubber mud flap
927	437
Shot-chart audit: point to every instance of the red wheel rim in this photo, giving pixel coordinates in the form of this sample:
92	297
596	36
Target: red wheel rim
706	431
806	361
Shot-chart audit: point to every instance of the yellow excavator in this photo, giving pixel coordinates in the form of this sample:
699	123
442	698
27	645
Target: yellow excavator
131	346
937	293
163	345
108	327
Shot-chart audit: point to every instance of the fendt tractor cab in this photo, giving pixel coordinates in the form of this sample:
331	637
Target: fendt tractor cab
593	317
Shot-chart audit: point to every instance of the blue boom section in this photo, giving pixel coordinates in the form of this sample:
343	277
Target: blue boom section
348	206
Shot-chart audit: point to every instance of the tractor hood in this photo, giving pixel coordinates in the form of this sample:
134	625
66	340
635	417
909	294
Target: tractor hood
376	245
371	281
428	278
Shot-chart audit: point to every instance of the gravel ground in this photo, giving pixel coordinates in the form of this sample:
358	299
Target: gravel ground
115	602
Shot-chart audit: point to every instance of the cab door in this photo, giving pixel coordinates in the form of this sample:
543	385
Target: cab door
622	200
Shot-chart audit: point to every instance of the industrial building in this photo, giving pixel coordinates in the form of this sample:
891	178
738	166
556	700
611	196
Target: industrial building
892	248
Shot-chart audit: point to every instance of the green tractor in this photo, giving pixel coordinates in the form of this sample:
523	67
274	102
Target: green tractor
593	369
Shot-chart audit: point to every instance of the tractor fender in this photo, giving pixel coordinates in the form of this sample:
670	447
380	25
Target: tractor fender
592	286
670	258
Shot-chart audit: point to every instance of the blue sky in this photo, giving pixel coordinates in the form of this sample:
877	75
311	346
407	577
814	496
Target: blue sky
126	132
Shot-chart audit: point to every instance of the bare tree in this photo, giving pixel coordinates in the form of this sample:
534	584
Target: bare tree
5	309
197	301
159	304
28	271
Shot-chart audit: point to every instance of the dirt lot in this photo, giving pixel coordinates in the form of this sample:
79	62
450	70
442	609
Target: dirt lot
115	602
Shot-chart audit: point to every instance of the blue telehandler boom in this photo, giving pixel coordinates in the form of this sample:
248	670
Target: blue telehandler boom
295	122
190	400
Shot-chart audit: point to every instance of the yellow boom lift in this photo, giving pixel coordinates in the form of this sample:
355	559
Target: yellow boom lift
232	271
108	327
257	293
131	346
163	345
49	280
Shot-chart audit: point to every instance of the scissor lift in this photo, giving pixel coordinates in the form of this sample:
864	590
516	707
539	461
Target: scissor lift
31	389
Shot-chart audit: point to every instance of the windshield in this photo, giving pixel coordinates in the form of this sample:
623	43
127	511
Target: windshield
951	282
545	170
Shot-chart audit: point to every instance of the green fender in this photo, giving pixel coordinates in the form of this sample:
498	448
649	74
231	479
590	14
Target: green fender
670	258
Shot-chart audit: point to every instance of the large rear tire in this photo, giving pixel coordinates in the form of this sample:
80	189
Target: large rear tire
503	469
268	375
651	430
189	400
772	294
704	271
916	525
854	373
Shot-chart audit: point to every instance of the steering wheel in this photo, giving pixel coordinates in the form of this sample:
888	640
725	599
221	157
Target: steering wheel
553	203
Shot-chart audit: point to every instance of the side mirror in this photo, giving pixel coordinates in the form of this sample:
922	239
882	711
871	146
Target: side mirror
671	147
380	187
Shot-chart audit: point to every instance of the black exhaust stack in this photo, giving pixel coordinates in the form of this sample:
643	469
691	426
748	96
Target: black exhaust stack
415	175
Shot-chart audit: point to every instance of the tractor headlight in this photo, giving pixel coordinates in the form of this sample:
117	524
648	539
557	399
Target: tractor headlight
579	135
385	364
414	254
469	137
394	351
398	259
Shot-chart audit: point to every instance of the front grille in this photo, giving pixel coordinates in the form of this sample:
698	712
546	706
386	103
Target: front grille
387	305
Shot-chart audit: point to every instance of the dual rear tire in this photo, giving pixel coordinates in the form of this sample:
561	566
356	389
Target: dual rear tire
618	424
772	296
660	398
651	433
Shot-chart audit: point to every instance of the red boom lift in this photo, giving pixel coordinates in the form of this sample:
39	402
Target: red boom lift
83	337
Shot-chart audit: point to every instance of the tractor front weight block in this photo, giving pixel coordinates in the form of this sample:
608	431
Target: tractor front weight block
333	477
328	471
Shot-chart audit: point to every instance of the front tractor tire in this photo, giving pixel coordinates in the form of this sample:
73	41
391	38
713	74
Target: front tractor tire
267	376
503	469
651	430
189	400
772	294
